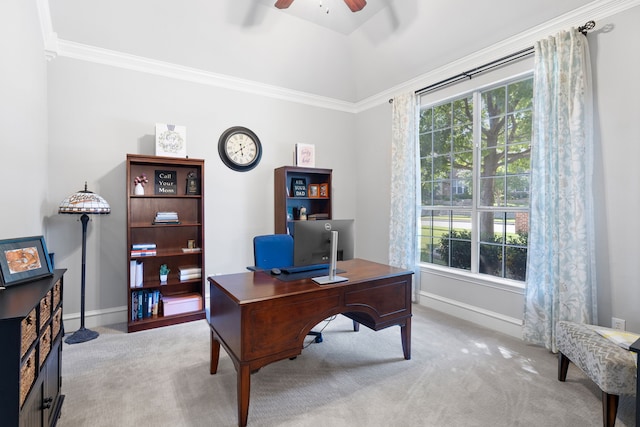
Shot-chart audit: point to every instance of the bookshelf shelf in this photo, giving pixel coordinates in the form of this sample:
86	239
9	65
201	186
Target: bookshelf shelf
163	242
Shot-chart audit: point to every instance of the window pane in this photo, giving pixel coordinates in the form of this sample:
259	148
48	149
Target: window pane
454	245
442	141
517	191
519	127
490	259
425	144
463	138
426	116
493	102
442	116
463	111
492	192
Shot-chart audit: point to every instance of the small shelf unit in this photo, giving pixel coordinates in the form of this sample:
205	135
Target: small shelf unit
287	205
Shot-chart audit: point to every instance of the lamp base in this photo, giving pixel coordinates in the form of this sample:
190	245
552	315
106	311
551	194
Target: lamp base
81	335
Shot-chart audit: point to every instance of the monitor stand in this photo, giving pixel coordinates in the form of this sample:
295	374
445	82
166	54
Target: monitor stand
331	278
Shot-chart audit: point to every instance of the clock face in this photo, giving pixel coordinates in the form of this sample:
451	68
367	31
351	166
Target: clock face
240	148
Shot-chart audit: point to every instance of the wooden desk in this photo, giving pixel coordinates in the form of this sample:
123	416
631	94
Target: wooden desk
259	319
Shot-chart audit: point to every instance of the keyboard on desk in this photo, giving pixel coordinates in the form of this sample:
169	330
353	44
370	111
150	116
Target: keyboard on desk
304	268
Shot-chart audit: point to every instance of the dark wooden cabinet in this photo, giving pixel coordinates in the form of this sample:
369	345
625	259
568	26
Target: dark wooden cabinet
30	361
288	200
175	187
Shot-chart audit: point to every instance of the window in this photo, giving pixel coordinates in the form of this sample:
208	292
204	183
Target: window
474	169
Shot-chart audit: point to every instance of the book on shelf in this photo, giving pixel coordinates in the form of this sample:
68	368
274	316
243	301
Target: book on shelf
143	252
189	269
190	276
137	273
166	218
143	246
318	216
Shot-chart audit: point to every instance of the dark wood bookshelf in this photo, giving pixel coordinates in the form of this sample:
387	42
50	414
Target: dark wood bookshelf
287	204
169	238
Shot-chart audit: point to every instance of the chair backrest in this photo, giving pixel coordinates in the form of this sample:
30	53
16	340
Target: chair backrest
273	251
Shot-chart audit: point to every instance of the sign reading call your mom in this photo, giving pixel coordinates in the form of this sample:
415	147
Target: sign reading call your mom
166	182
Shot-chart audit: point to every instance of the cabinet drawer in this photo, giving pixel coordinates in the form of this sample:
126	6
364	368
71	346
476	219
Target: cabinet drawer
57	294
27	376
57	323
28	332
45	309
45	345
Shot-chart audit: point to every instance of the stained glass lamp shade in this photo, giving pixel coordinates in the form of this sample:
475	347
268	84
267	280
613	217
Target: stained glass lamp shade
83	202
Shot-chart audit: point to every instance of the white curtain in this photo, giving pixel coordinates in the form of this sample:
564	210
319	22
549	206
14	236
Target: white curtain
402	225
561	281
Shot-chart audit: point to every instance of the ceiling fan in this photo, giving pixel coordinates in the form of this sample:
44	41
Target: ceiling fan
354	5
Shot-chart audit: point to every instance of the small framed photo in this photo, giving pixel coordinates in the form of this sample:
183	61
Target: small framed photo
324	190
306	155
314	190
24	259
171	140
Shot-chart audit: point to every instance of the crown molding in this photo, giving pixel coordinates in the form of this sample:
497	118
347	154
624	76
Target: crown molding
594	11
141	64
54	47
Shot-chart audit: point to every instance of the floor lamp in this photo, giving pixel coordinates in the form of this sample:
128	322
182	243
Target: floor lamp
83	202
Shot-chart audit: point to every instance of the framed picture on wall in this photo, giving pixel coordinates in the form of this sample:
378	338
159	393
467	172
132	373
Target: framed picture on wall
24	259
306	155
171	140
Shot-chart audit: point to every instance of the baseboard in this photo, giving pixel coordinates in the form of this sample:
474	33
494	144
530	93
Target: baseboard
489	319
95	318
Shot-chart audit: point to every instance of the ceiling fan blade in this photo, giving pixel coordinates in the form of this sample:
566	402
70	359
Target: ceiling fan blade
356	5
283	4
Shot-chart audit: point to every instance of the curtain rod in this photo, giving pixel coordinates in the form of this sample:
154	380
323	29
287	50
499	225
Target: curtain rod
493	64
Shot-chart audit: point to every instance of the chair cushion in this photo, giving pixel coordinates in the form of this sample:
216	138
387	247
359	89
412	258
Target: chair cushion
607	364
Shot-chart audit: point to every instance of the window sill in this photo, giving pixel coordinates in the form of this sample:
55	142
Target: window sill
475	278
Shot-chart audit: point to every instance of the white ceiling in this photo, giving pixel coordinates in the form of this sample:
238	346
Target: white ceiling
332	14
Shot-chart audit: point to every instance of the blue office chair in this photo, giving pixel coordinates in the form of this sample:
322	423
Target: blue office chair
273	251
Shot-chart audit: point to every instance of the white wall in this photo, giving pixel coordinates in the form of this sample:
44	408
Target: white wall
23	120
100	113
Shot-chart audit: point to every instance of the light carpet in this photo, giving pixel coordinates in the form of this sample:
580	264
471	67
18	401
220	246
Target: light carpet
460	374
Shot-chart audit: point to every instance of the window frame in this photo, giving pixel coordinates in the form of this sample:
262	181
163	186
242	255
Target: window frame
483	84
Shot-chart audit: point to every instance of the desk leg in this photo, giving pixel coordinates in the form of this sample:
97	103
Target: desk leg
215	354
405	333
244	386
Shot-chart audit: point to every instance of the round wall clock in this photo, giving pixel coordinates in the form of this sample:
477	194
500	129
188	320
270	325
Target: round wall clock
239	148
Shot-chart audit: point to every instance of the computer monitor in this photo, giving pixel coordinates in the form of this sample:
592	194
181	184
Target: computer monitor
312	241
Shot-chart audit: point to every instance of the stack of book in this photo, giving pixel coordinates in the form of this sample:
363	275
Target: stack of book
143	249
166	218
144	304
190	272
